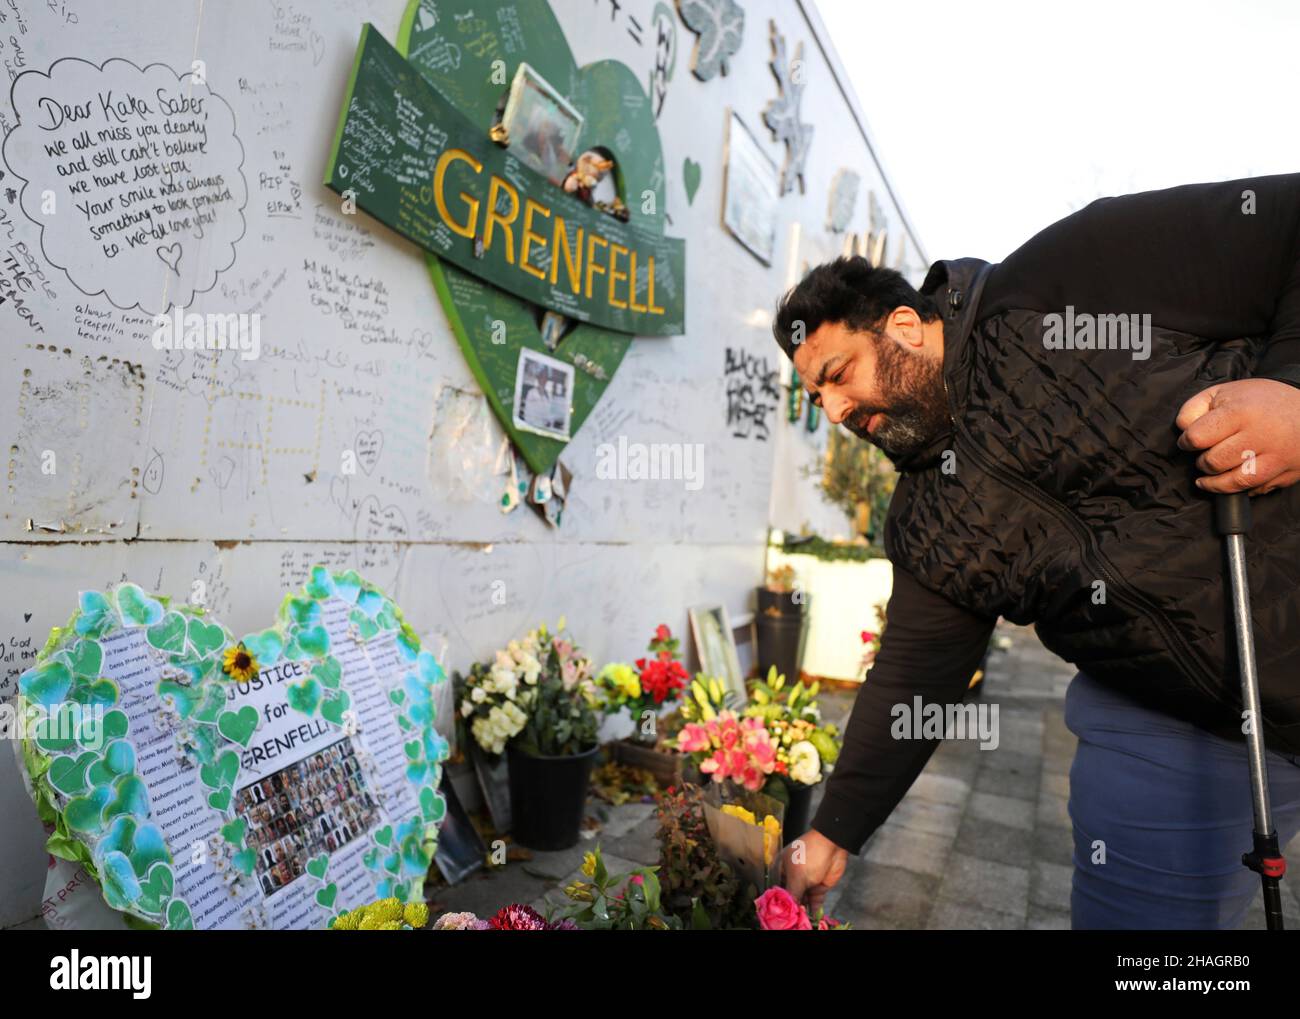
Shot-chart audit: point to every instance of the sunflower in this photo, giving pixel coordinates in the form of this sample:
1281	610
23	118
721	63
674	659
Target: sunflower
238	663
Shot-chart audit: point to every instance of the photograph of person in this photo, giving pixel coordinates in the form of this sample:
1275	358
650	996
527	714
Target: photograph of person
543	394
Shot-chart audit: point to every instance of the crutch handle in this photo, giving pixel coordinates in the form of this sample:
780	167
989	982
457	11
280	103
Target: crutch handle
1232	513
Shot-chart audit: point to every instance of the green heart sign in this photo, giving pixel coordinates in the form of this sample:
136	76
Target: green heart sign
484	210
238	726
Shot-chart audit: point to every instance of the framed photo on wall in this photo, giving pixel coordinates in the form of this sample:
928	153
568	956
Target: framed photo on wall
715	645
750	191
542	126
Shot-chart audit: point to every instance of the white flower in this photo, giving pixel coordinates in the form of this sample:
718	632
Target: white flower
478	695
805	763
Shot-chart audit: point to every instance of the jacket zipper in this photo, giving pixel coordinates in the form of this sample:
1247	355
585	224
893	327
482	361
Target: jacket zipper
1093	557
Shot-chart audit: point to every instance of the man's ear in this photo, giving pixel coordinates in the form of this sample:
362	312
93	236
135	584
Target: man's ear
906	324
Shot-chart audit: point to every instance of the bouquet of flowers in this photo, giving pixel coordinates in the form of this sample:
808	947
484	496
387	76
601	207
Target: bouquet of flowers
537	691
656	680
730	747
804	746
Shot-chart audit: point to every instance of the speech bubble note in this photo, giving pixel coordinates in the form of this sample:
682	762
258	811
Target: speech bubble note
134	176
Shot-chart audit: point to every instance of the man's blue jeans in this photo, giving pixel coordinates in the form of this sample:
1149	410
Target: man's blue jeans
1167	806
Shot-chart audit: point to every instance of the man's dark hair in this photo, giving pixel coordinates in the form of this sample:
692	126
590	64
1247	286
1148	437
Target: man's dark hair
850	291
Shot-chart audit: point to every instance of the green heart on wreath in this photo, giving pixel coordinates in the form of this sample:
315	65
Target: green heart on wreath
245	860
222	772
332	710
233	831
304	696
178	916
238	726
317	866
86	658
169	635
326	895
68	774
205	637
492	326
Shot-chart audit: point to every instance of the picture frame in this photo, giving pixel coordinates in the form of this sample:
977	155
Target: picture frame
751	191
715	647
542	127
543	397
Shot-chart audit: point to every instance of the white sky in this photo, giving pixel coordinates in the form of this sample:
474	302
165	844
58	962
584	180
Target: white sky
995	118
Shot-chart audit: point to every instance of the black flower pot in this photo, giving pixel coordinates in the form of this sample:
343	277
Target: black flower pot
548	797
781	627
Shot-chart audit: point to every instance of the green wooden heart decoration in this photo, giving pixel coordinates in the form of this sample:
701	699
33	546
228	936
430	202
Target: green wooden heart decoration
317	866
491	325
233	831
326	895
220	800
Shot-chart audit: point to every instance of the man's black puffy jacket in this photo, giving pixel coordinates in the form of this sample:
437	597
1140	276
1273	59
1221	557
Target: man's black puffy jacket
1060	496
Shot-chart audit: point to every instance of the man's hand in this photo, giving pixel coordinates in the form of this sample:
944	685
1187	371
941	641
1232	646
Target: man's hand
1248	433
820	865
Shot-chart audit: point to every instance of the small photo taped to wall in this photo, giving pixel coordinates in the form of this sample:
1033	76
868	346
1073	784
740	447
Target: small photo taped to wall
543	394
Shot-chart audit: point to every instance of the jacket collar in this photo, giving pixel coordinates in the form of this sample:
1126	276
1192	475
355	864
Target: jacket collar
955	286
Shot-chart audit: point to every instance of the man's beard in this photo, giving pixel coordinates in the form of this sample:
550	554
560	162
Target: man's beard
913	402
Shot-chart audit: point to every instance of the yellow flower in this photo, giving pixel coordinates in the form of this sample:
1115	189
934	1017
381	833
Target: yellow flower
771	839
589	865
736	810
238	663
416	914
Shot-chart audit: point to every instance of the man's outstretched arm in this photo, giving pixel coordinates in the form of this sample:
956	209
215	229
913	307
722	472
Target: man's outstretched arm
931	648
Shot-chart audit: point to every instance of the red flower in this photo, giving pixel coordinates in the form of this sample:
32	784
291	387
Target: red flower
663	634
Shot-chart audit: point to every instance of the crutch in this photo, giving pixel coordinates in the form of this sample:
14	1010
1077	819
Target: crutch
1232	520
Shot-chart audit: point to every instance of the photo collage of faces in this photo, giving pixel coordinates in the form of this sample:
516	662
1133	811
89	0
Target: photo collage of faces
317	805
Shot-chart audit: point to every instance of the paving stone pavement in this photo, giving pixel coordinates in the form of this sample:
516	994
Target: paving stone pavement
981	841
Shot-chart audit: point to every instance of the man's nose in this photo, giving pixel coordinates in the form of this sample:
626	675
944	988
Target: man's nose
837	408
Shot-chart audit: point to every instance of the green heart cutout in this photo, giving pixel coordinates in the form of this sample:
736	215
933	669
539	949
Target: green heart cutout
366	627
370	858
205	637
178	916
86	658
325	896
321	584
432	806
332	710
118	759
156	889
405	723
68	774
691	176
318	866
85	814
384	835
416	771
309	642
47	685
348	586
102	692
95	615
214	700
117	878
169	635
220	799
233	831
238	726
302	611
136	607
58	730
398	697
304	696
114	725
618	116
413	750
131	797
245	860
183	698
222	772
147	846
414	857
329	672
266	647
392	863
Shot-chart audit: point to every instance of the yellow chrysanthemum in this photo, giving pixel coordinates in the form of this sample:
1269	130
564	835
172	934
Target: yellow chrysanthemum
589	865
239	663
416	914
346	921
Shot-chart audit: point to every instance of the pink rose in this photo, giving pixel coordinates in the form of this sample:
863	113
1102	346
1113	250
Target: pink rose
778	911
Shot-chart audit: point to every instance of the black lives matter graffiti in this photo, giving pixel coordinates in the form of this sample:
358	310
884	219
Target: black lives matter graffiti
752	394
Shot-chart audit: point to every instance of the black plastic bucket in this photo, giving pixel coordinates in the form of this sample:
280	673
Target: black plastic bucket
780	643
548	796
798	812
